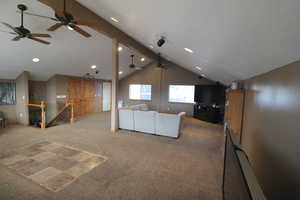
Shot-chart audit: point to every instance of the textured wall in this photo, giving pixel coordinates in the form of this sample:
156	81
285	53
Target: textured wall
271	130
22	98
37	92
160	79
51	107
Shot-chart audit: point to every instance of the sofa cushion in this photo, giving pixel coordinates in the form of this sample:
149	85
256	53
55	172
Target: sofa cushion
144	121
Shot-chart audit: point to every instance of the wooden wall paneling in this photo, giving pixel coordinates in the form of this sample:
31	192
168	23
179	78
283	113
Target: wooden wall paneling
234	111
85	94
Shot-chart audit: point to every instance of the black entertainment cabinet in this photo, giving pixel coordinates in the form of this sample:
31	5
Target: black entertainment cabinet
210	102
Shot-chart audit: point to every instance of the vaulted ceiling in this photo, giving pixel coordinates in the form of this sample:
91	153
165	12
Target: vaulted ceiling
230	39
69	52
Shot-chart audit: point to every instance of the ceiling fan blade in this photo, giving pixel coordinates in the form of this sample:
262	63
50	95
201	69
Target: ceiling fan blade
12	33
10	26
36	15
55	27
40	35
39	40
80	31
83	23
17	38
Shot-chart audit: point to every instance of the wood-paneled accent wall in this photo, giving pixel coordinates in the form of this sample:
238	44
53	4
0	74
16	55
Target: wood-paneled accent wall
234	111
86	95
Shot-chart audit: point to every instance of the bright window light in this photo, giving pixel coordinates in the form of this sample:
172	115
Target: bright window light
140	92
181	93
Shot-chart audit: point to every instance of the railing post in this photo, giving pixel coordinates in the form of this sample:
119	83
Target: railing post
72	112
43	123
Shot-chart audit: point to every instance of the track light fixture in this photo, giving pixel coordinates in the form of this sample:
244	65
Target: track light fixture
161	41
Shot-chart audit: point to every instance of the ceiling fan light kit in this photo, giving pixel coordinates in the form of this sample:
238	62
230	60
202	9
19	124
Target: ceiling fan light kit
61	18
21	32
66	19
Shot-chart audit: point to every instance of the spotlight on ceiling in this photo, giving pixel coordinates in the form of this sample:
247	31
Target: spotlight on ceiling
161	41
143	59
120	72
93	66
36	60
114	19
189	50
70	28
199	68
151	46
120	49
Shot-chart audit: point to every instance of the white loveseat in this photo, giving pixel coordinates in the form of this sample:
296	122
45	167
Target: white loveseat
139	118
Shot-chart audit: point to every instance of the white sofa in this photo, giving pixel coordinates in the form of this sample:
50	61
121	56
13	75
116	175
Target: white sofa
169	124
139	118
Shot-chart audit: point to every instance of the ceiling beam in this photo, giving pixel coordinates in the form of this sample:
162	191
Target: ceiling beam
101	25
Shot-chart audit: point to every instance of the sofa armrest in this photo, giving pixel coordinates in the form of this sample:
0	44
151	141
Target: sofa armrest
126	119
168	124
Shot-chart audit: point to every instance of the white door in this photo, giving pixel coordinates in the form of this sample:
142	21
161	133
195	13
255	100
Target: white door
106	96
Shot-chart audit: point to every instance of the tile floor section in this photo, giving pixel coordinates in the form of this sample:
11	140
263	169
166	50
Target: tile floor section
51	165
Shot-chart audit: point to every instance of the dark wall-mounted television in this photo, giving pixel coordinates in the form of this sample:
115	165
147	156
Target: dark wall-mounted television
210	94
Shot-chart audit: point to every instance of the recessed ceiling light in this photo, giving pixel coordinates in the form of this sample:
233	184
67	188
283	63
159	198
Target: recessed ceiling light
143	59
70	28
114	19
36	60
120	48
199	68
93	66
189	50
120	72
151	46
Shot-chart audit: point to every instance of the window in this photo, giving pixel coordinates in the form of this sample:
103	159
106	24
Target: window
7	93
140	92
181	93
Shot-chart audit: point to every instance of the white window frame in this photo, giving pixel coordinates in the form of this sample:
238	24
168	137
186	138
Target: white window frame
136	99
181	102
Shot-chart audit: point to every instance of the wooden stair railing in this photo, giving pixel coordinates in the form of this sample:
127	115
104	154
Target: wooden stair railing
68	105
42	106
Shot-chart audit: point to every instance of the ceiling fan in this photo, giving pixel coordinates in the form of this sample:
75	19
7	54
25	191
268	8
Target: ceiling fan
132	65
21	32
64	18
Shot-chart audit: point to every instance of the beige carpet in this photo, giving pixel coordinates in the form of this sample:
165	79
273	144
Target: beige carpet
139	166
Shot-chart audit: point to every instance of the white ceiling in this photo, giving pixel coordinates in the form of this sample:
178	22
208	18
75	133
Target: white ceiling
69	52
231	39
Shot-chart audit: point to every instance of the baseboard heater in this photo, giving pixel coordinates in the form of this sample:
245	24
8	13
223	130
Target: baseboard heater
239	181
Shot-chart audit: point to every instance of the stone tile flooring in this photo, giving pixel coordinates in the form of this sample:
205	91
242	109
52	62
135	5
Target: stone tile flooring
51	165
